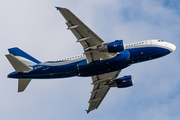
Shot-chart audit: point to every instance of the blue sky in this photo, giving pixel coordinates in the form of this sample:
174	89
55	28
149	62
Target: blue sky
40	30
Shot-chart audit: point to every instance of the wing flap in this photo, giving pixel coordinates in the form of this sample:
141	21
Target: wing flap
100	89
95	55
97	97
73	30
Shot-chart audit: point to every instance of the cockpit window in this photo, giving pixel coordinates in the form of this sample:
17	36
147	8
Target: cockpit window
160	41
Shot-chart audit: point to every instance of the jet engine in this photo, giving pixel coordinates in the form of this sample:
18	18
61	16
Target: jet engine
123	82
116	46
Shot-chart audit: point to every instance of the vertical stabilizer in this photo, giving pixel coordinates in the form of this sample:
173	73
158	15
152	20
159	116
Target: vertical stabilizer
23	56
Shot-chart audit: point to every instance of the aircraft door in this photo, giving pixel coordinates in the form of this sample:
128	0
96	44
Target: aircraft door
148	43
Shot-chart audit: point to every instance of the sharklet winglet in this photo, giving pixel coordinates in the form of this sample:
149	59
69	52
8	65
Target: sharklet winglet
58	8
87	111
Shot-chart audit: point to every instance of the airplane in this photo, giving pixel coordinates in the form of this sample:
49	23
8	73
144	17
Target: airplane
101	61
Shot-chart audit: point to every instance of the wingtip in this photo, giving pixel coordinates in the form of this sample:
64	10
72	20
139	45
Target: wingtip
58	8
87	111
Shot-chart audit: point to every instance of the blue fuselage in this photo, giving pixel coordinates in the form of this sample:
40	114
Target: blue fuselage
79	67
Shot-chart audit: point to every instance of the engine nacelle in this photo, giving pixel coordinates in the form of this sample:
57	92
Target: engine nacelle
116	46
122	82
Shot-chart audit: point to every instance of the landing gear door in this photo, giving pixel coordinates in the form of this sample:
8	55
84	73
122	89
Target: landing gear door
148	43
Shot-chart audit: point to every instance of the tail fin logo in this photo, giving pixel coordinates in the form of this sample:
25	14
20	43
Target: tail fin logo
23	56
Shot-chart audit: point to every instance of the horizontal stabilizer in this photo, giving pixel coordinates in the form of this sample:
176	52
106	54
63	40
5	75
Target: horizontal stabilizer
18	65
22	84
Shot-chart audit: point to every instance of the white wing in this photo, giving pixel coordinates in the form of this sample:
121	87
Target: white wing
101	88
88	39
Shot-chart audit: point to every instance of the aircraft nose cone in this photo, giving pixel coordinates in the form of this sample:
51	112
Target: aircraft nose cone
172	47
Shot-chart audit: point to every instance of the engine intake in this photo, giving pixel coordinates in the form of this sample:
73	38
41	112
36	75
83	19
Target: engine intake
116	46
123	82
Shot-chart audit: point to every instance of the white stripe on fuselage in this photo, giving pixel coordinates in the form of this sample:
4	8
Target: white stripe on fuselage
141	44
150	43
63	62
